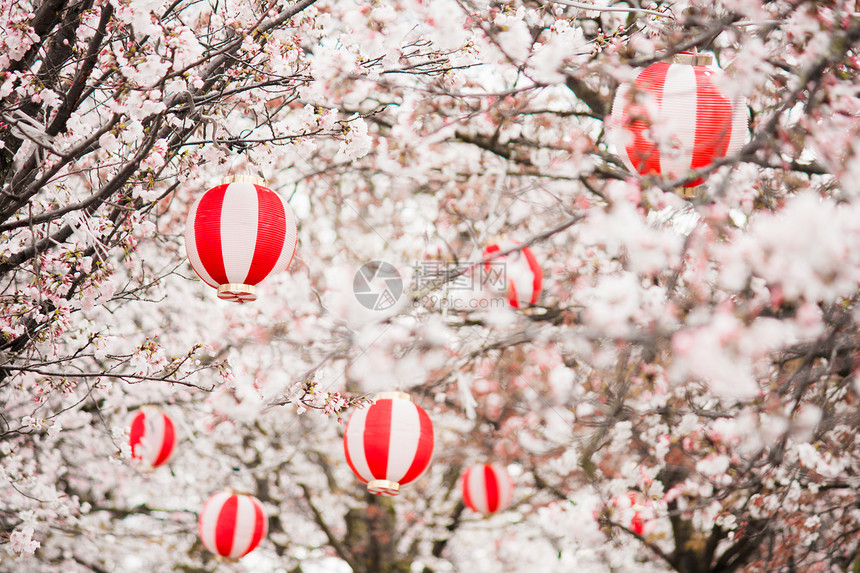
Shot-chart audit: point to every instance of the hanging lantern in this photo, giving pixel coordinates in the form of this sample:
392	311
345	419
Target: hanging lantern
517	274
232	524
674	119
389	443
629	509
487	488
237	234
152	437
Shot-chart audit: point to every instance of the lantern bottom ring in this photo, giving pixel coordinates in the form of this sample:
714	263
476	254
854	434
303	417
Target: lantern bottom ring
383	487
695	192
142	466
237	292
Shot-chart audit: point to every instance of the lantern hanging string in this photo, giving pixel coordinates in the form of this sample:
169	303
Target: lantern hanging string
242	164
244	173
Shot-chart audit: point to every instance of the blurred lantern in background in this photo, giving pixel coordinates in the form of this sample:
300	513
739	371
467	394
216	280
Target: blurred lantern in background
629	511
517	274
232	524
152	437
237	234
388	444
487	488
675	118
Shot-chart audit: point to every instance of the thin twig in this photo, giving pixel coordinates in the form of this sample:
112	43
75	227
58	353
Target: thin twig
594	8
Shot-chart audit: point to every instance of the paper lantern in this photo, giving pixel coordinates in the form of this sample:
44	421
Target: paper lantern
232	524
674	118
152	437
487	488
630	516
237	234
517	274
388	444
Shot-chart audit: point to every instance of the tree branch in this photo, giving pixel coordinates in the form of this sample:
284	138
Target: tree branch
318	518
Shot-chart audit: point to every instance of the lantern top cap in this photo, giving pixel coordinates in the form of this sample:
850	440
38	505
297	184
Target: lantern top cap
232	491
244	178
149	410
692	59
392	396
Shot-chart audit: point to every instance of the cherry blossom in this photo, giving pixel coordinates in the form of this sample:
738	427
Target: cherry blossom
682	396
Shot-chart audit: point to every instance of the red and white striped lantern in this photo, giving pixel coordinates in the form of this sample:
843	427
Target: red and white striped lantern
237	234
674	118
152	437
232	524
518	274
630	512
388	444
487	488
